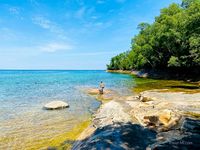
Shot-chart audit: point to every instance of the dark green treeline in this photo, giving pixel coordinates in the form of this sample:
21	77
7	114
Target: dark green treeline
172	41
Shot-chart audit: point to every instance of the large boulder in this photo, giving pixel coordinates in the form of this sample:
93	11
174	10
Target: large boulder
56	105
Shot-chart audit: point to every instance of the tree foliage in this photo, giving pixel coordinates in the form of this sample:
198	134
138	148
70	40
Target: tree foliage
173	40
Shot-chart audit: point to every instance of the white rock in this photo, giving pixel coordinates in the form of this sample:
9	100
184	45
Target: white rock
56	105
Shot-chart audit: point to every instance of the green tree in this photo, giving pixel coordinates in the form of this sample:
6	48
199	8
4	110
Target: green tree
173	40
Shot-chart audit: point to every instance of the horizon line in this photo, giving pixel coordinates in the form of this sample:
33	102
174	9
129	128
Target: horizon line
53	69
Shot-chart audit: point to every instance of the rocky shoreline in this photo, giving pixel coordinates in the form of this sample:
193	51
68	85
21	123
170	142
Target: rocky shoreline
162	74
151	120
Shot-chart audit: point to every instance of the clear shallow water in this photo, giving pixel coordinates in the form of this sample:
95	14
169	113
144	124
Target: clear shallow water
23	94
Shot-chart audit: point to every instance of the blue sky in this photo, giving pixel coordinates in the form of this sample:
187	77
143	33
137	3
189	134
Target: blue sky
70	34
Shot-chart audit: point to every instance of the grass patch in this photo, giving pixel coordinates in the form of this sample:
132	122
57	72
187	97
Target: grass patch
143	84
63	141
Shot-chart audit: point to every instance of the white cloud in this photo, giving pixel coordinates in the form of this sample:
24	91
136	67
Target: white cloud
53	47
49	25
43	22
84	12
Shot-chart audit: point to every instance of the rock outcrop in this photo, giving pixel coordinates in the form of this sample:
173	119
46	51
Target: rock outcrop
186	136
163	110
110	113
152	120
112	128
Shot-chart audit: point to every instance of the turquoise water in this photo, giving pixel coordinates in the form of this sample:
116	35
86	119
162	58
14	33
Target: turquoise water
23	94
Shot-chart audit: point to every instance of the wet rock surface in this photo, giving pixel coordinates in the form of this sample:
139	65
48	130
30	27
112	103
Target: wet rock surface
106	96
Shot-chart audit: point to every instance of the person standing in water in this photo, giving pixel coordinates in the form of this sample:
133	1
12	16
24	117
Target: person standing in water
101	87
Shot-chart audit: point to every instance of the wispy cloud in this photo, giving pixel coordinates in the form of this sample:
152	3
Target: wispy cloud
95	53
9	34
104	1
34	2
100	1
54	47
49	25
14	10
120	1
84	12
42	22
80	13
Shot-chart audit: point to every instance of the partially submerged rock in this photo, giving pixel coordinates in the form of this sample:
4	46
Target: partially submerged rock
106	96
95	91
56	105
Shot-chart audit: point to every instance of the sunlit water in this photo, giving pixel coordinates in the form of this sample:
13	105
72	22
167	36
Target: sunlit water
23	120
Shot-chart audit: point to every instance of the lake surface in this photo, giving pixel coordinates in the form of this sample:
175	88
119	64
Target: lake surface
24	122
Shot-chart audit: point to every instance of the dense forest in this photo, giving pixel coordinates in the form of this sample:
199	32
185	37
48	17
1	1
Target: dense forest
172	41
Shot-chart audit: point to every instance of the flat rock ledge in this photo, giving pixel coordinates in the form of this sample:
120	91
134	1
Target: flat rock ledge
56	105
151	120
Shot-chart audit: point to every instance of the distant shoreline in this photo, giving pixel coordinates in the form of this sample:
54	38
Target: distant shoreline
52	70
161	74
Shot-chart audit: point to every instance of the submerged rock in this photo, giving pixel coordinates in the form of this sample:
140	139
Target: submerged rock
56	105
95	91
106	96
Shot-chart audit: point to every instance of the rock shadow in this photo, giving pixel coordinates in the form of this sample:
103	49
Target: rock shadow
118	136
128	136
